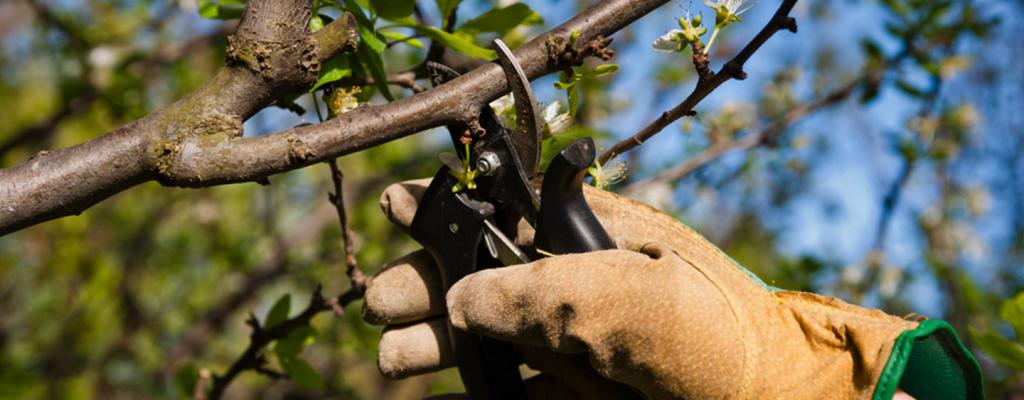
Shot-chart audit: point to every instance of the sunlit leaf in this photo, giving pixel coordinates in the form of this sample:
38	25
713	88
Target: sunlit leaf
333	70
399	37
1001	349
502	20
369	49
458	43
292	345
602	70
315	23
221	9
1012	311
550	147
446	6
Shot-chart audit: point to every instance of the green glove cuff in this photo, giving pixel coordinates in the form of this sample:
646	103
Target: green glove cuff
930	362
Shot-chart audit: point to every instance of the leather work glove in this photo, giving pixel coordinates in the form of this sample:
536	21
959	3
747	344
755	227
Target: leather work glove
666	313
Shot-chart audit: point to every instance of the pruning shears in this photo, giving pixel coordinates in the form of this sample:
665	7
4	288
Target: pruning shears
469	226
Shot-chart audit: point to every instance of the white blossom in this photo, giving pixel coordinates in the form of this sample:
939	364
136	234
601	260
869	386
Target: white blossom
670	42
556	120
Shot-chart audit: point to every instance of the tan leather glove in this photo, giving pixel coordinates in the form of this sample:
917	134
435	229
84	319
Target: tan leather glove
667	314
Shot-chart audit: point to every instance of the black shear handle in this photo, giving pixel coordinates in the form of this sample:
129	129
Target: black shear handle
566	224
452	229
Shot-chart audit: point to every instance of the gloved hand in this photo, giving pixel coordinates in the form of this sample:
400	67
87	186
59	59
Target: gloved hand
667	313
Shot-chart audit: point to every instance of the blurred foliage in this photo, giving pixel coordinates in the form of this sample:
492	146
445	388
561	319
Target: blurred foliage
135	296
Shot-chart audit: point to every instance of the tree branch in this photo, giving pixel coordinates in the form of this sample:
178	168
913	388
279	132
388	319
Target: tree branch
197	141
767	134
733	69
253	359
338	201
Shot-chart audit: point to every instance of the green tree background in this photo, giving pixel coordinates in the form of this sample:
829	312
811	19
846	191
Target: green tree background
876	155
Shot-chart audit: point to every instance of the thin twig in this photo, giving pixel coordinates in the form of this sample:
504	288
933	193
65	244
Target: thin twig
338	200
768	134
202	381
733	69
253	359
405	79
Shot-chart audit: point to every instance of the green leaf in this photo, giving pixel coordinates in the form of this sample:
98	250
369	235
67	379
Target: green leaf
279	312
1012	311
564	85
458	43
446	6
187	377
602	70
367	34
1001	349
302	373
399	37
393	9
550	147
502	20
375	64
574	100
370	48
333	70
222	9
292	345
315	23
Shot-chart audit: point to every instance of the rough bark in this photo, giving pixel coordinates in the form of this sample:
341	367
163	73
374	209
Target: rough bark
197	141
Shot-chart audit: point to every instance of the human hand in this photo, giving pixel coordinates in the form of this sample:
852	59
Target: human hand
666	313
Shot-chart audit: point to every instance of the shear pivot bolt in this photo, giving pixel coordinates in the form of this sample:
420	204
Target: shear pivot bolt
487	163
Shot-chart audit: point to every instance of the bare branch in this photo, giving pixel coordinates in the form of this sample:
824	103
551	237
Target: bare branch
768	134
338	200
733	69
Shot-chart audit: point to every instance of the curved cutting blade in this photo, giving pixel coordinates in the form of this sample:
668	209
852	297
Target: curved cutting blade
527	136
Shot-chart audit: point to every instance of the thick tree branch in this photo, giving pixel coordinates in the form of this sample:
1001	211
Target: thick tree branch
733	69
197	141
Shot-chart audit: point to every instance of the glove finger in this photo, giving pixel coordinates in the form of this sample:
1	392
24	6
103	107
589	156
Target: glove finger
407	350
614	306
405	290
399	201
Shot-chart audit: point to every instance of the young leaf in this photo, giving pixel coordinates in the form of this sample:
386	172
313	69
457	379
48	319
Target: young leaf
1012	311
302	373
375	64
399	37
370	48
315	23
333	70
292	345
550	147
1002	350
456	42
222	9
446	6
602	70
279	312
574	100
393	9
502	20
